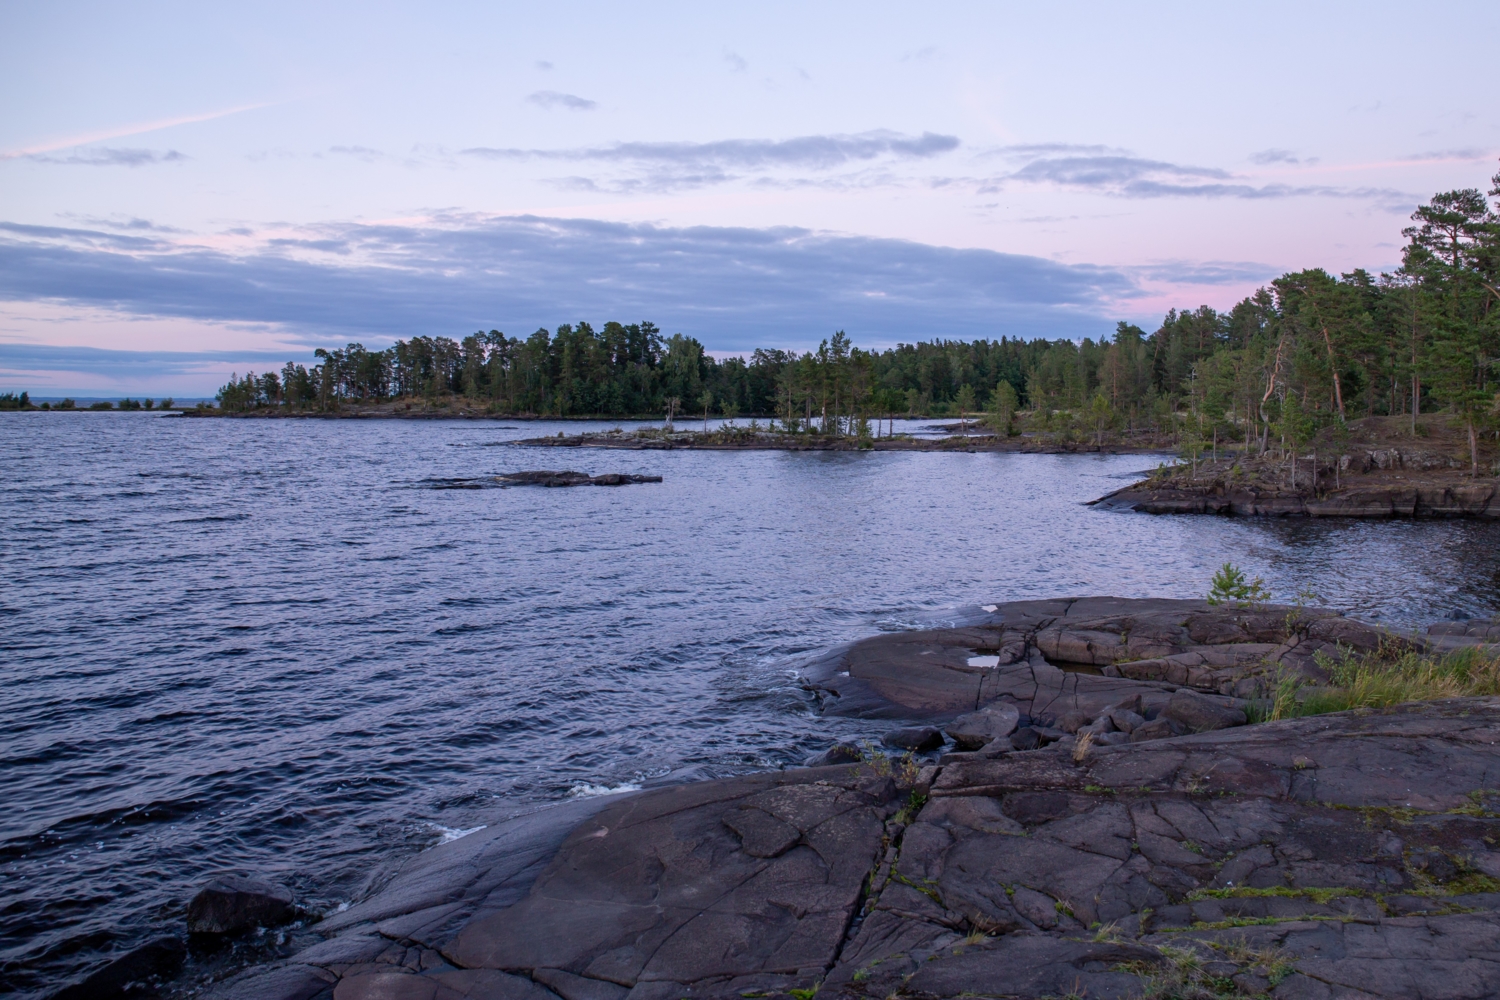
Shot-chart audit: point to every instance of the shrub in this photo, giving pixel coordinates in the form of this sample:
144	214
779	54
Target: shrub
1230	586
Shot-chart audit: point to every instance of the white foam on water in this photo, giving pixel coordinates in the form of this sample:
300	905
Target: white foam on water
449	834
984	661
584	790
991	608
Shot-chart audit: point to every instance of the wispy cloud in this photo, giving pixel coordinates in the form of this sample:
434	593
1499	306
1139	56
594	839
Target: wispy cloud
1468	154
736	61
120	132
668	165
1211	272
1268	157
819	152
1110	171
733	288
132	224
1120	174
107	157
555	99
358	152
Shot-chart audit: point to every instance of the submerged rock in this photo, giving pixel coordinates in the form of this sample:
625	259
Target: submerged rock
548	478
229	903
133	974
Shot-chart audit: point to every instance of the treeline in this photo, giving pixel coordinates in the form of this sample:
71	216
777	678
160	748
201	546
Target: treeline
1310	349
11	401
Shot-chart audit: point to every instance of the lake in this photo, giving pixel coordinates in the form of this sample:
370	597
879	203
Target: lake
278	646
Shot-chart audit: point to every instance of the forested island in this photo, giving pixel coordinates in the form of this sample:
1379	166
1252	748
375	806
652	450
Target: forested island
1309	352
1312	357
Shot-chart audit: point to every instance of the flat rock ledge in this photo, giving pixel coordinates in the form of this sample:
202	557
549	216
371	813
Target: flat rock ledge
1353	855
1479	500
1088	654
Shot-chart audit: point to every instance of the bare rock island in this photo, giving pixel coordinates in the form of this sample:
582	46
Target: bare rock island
1350	855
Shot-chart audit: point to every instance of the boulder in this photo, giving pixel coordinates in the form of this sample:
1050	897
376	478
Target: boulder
1100	726
839	753
999	745
1072	721
1162	728
918	738
1125	720
975	729
229	903
1025	738
1200	714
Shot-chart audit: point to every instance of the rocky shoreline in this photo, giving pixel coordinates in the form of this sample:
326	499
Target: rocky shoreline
1106	825
1480	499
1376	470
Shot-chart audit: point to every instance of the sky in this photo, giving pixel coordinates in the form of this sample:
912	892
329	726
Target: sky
191	189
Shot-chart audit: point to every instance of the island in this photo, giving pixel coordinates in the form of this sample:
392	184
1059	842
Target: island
1373	468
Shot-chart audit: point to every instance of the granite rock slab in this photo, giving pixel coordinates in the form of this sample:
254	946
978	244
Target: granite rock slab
1343	855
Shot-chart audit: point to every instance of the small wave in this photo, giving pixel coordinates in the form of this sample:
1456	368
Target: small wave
448	834
584	790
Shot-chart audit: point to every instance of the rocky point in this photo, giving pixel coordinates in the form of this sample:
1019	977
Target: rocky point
1105	825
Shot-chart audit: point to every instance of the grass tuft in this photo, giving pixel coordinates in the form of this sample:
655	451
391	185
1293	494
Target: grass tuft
1316	894
1380	681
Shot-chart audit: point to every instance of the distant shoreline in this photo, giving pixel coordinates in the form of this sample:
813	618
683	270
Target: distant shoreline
745	439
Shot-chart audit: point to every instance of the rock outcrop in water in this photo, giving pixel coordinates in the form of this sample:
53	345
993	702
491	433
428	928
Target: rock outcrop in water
1384	501
1349	855
229	903
548	478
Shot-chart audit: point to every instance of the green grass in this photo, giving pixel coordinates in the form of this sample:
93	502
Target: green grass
1318	895
1383	680
907	814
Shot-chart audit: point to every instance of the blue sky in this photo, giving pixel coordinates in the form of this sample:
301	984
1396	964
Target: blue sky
190	189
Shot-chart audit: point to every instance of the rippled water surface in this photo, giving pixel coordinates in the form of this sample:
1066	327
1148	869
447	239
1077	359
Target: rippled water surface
275	646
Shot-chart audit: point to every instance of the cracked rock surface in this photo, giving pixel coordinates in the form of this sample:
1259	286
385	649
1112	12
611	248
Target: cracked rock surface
1349	855
1342	856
